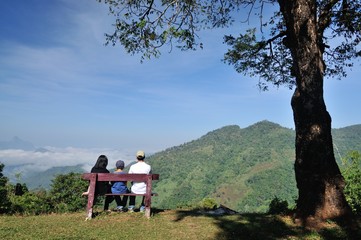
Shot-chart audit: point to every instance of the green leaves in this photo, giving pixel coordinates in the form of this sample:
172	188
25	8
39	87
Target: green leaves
145	26
4	200
64	196
269	60
351	170
66	190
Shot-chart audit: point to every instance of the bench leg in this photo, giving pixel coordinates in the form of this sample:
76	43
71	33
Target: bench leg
90	214
90	205
91	197
148	196
147	203
147	212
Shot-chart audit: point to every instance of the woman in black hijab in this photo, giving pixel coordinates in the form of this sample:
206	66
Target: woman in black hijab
102	187
101	167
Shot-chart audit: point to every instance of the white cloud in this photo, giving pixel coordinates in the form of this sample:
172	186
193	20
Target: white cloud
28	161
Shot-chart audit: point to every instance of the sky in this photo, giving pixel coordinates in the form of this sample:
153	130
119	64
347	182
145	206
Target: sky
61	87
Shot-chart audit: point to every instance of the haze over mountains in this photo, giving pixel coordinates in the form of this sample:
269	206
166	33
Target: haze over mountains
242	168
24	162
17	143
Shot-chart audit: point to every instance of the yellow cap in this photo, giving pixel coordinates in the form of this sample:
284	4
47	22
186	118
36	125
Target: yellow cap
140	154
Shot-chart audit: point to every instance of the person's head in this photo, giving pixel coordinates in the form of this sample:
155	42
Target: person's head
140	155
119	164
102	162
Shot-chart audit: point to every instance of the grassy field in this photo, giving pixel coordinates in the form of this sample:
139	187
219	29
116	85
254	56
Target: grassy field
169	225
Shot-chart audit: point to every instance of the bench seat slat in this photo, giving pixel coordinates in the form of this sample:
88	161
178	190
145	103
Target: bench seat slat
129	194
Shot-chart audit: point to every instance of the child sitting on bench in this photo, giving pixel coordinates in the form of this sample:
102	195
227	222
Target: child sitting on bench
120	187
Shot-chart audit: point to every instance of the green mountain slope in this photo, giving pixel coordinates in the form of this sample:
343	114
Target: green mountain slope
346	139
43	180
235	166
243	169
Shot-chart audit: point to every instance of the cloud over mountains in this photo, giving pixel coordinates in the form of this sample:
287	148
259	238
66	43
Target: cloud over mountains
22	157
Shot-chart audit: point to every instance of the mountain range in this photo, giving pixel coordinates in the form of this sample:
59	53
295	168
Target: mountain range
241	168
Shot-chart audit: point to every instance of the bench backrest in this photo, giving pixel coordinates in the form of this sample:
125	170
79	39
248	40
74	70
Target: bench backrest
105	177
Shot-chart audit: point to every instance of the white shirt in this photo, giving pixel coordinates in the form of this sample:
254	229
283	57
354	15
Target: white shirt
139	167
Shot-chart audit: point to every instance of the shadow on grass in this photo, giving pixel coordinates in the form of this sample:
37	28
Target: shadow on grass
97	212
267	227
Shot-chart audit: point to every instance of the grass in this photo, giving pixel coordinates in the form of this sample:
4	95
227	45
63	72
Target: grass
167	224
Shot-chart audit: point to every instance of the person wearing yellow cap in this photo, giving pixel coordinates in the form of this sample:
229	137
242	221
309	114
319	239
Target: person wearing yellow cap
138	187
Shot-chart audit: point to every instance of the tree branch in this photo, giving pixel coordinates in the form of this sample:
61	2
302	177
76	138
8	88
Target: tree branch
148	10
269	41
324	19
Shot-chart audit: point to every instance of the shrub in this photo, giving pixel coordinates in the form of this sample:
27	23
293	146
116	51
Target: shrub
66	191
208	204
277	206
30	203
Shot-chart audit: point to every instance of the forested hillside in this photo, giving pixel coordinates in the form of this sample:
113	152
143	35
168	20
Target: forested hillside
43	180
243	169
346	139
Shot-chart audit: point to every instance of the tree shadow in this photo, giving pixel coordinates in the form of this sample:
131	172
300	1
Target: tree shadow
98	212
265	227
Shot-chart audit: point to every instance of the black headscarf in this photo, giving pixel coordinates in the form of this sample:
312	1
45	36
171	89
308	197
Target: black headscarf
101	167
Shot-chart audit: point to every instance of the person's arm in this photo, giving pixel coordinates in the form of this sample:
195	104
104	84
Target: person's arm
86	193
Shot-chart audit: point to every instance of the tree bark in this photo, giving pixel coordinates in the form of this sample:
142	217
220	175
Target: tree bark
319	180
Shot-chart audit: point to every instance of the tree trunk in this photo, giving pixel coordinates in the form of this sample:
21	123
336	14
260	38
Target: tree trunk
319	180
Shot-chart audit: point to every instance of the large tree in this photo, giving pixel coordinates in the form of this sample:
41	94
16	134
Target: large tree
298	45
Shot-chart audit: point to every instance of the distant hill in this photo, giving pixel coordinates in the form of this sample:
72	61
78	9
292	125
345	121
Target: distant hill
346	139
16	143
243	169
35	180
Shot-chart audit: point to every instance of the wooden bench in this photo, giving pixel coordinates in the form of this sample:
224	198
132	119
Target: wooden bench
93	178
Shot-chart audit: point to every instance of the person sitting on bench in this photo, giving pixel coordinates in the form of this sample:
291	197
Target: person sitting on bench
138	187
120	187
103	187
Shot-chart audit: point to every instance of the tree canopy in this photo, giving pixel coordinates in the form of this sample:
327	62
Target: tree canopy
145	26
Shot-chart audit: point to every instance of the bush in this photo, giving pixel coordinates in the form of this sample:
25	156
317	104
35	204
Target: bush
277	206
31	203
17	199
208	204
66	192
65	196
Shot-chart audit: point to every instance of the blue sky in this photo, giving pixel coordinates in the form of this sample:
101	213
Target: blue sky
60	86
